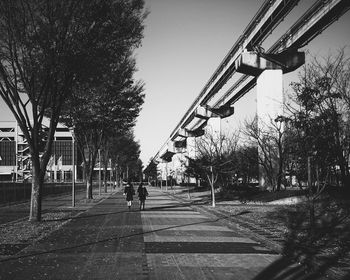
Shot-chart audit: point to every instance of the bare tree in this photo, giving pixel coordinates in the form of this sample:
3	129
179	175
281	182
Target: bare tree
214	158
271	149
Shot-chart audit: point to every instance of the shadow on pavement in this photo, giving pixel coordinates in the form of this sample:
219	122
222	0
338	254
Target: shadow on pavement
84	216
317	245
117	238
169	206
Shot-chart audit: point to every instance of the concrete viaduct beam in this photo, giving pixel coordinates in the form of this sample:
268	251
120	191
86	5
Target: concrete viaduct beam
253	63
223	111
183	132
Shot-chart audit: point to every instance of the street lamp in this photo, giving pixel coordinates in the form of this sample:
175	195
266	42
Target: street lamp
99	172
73	166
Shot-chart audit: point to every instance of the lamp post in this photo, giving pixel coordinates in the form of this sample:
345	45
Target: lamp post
188	176
110	174
73	166
99	172
166	176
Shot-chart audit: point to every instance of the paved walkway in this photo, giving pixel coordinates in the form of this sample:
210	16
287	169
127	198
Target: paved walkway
169	240
181	243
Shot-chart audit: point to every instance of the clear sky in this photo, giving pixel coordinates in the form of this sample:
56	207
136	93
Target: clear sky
185	40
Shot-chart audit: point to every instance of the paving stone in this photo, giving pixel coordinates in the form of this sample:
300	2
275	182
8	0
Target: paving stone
193	238
173	215
205	247
184	227
197	233
211	260
212	266
170	240
11	249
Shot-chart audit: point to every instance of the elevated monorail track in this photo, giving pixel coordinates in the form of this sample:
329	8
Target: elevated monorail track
315	20
271	13
303	31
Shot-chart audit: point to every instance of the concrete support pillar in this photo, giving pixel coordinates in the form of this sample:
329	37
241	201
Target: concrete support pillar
268	68
269	95
269	105
191	147
214	128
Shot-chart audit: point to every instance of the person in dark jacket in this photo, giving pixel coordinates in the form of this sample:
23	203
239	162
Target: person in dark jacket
143	193
129	193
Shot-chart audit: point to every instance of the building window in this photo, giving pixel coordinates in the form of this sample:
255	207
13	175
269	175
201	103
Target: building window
64	149
8	153
7	129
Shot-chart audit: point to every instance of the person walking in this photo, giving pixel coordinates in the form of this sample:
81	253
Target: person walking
143	193
129	192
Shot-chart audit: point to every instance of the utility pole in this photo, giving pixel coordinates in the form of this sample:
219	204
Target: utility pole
188	176
73	166
110	174
73	170
166	176
99	171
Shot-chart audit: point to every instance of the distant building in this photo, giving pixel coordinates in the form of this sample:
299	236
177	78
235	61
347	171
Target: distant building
15	161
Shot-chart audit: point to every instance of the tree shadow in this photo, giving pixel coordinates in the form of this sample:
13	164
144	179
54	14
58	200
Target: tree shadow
317	243
80	217
117	238
121	212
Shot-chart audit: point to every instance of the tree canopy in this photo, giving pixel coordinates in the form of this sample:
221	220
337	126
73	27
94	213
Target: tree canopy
319	127
49	49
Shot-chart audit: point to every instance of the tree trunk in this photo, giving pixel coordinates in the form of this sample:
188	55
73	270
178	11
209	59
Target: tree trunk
89	186
105	162
311	198
117	176
343	170
84	173
317	179
278	187
211	182
280	173
89	170
105	177
212	195
35	202
89	190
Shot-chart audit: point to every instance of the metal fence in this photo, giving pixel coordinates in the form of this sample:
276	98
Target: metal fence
17	192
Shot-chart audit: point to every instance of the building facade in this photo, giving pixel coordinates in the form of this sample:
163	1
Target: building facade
15	159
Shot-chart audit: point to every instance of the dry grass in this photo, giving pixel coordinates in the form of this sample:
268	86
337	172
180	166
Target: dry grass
22	231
